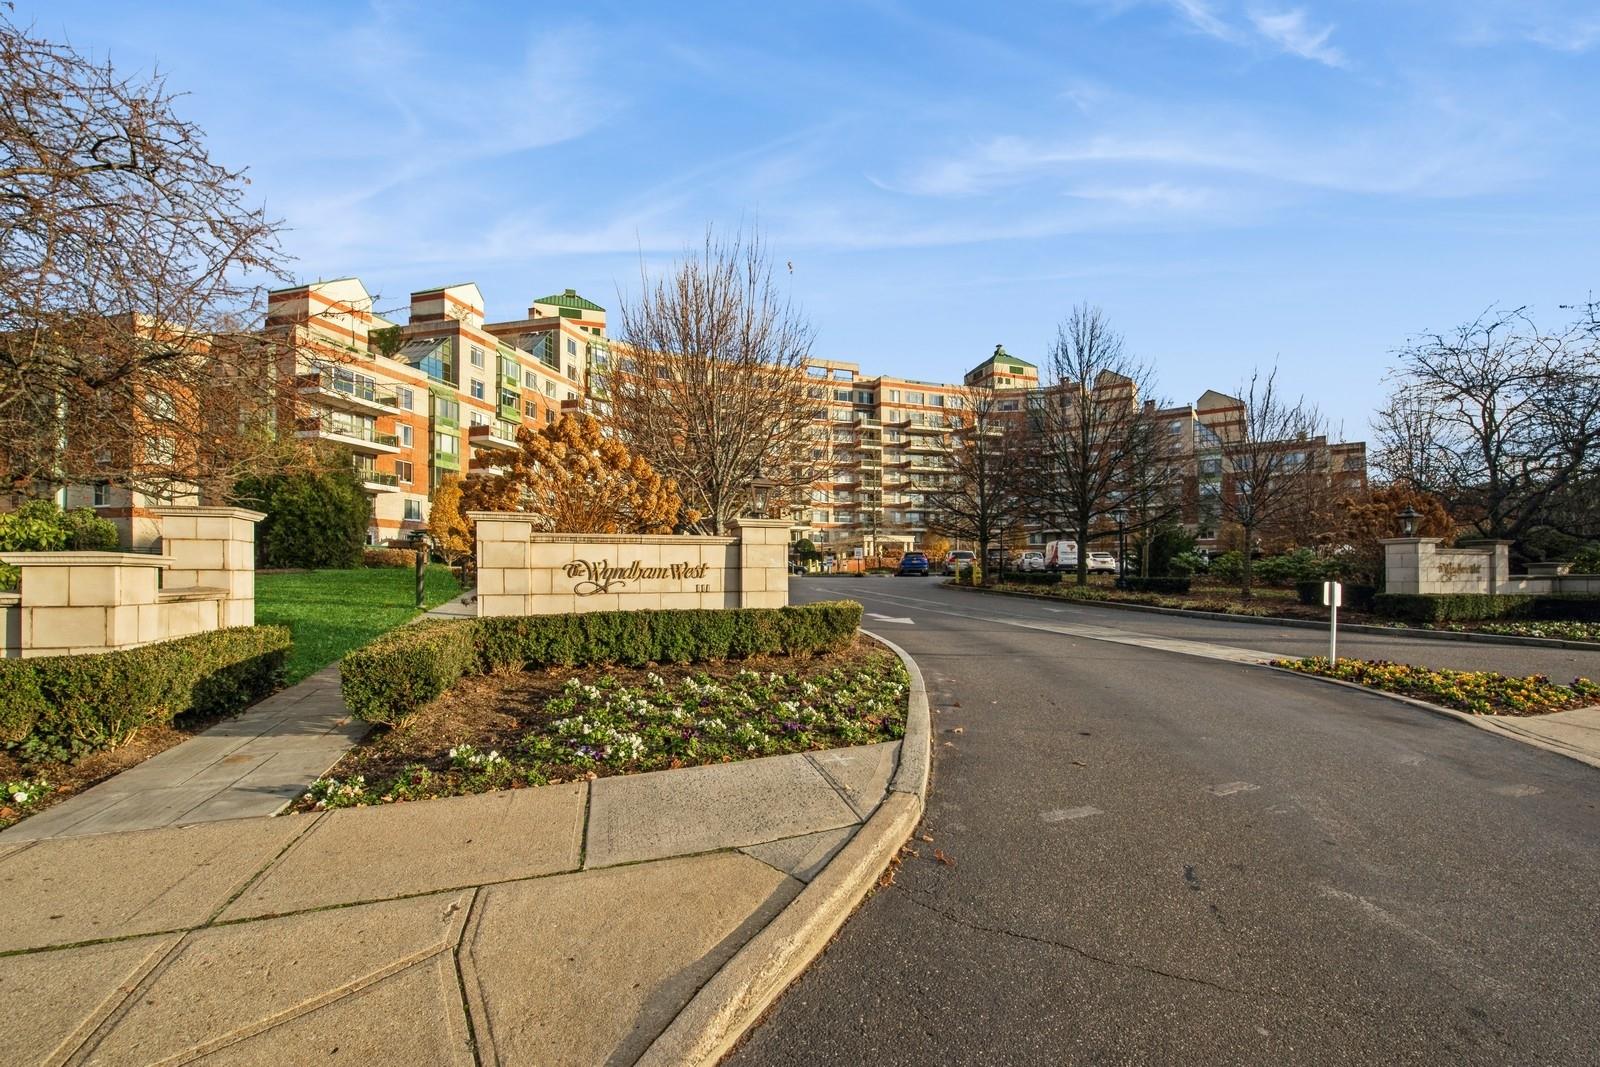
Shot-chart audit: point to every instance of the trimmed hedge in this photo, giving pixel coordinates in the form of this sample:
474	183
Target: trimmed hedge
1454	607
1168	584
391	678
1356	597
1568	607
1033	577
62	707
389	557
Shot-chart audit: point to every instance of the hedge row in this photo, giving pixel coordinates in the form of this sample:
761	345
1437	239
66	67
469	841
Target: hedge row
1356	597
391	678
1033	578
389	557
62	707
1482	607
1153	585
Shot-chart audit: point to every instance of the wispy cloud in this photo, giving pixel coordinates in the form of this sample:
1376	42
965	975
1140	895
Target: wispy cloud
1204	18
1292	31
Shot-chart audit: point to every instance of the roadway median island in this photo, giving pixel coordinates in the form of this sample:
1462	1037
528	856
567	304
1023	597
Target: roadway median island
487	925
1278	607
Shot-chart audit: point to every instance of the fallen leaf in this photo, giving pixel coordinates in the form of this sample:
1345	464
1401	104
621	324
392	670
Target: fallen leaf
925	837
939	855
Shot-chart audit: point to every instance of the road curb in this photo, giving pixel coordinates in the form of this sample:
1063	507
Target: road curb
748	984
1303	624
1495	724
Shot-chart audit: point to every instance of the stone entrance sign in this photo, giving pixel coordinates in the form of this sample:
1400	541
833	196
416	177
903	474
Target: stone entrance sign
1424	565
522	571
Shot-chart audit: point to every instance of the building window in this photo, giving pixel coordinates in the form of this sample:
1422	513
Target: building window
405	435
477	356
530	408
413	510
402	470
572	350
446	444
405	399
476	389
478	418
102	495
549	416
549	388
530	379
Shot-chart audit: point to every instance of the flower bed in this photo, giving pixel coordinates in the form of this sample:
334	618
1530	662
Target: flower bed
540	727
1561	631
1478	692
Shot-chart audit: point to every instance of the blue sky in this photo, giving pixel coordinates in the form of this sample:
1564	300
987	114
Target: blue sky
1236	183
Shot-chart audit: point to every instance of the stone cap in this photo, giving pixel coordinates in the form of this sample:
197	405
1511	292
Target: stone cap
761	523
1410	540
85	559
544	537
191	592
178	511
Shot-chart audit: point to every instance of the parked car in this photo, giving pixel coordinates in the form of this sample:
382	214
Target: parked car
1030	561
1102	563
1061	556
913	563
958	559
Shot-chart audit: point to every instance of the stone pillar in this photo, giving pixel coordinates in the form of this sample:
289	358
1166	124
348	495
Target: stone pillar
1406	561
1499	561
74	602
504	560
763	562
213	548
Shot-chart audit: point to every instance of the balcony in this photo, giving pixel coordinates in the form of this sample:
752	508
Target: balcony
347	393
356	438
450	461
375	481
499	434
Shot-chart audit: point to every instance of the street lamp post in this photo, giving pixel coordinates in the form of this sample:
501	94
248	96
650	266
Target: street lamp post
419	546
1120	516
1408	521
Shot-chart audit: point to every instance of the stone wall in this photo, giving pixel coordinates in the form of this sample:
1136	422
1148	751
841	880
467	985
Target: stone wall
522	571
1423	565
80	602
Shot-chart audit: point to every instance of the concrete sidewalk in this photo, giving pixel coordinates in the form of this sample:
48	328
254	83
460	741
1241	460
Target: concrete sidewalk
254	764
581	919
647	918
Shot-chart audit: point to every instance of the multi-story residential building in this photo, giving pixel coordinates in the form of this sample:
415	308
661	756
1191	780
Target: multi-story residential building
885	444
442	393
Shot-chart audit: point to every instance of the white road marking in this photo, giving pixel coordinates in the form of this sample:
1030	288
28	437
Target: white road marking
889	618
1518	790
1411	761
1063	814
1227	789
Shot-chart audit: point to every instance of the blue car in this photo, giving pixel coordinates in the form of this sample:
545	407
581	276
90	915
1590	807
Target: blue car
913	563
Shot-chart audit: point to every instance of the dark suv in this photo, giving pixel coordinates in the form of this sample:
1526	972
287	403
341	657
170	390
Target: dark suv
913	563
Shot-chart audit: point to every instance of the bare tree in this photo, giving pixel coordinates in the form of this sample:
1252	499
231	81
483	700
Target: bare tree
709	381
124	250
1090	434
1499	418
977	497
1272	462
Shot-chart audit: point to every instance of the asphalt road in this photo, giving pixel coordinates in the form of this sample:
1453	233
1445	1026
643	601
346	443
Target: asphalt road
1156	857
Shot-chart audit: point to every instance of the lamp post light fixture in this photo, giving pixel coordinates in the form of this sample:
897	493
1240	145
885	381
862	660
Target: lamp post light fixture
419	546
1120	517
1408	521
760	489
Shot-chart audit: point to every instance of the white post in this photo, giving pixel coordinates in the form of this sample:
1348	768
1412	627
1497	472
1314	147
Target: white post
1333	596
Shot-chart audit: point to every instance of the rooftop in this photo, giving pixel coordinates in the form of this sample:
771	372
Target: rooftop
569	299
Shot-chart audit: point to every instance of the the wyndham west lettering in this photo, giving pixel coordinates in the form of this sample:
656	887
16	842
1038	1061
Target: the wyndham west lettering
598	576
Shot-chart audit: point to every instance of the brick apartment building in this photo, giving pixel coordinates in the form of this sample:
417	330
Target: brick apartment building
444	392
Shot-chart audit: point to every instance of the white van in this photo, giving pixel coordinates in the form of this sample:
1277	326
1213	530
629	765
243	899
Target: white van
1061	556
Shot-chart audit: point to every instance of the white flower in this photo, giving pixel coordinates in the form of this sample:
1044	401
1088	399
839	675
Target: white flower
20	797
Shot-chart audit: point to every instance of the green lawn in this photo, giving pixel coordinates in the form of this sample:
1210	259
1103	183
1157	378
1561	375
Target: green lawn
330	612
